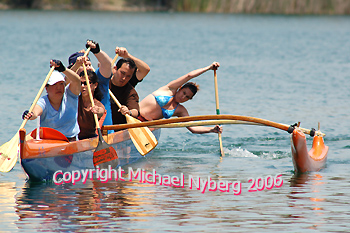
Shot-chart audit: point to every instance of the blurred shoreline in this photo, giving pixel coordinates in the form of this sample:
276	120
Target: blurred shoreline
285	7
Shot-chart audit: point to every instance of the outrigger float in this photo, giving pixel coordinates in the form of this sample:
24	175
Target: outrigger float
41	158
305	161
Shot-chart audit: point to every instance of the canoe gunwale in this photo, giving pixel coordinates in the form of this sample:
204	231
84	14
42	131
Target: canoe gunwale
55	148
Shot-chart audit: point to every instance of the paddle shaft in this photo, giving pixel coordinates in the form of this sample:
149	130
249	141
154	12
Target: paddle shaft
104	155
114	60
217	109
87	52
216	93
90	95
115	100
127	116
38	95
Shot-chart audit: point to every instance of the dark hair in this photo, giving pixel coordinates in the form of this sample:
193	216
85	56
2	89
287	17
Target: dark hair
128	61
192	86
93	79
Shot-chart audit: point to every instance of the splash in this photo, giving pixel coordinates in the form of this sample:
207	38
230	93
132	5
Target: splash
239	152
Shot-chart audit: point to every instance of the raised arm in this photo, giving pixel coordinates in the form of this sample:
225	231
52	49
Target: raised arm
76	65
102	57
74	79
142	68
175	84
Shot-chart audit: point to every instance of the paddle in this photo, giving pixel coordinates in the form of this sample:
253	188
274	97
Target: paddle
143	138
9	150
247	119
87	52
217	109
114	60
104	154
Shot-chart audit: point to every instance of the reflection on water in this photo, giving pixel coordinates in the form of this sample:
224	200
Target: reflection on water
7	199
307	193
85	206
307	183
301	179
134	207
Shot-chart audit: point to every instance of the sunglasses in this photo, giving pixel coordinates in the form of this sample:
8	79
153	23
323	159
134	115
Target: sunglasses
84	83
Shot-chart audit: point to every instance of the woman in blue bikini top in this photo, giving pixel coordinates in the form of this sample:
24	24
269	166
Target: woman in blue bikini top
167	100
163	100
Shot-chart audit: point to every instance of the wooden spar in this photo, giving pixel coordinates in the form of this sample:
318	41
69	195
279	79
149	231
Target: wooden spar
260	121
202	123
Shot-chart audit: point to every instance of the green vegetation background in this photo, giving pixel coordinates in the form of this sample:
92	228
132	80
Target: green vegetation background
330	7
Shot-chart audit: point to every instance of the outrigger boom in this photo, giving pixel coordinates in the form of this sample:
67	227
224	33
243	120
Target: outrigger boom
303	160
215	119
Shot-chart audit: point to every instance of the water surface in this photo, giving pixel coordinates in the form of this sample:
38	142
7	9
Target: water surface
280	68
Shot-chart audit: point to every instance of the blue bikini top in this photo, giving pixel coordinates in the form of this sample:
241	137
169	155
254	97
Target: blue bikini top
162	100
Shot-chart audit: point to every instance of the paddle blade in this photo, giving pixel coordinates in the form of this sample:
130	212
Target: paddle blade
9	154
105	155
143	139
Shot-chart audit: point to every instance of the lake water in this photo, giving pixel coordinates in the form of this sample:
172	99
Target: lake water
280	68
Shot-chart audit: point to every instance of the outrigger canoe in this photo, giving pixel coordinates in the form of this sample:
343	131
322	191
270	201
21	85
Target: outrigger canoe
40	159
53	152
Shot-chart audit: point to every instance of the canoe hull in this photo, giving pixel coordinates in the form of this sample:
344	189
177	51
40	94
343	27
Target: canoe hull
40	159
305	161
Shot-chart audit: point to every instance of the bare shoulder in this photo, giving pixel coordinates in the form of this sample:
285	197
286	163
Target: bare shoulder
181	111
165	90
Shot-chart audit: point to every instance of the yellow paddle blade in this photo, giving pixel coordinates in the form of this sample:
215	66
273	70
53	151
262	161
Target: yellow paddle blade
8	154
143	139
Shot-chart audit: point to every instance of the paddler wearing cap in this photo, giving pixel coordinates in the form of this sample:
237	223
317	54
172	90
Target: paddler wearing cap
59	108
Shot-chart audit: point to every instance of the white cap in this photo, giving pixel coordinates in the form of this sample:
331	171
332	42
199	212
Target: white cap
55	78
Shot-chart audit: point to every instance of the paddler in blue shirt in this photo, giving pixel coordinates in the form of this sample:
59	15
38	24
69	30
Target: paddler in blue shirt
59	108
105	62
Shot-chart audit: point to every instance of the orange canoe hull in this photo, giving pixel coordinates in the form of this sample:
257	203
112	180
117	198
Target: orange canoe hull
304	160
40	159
